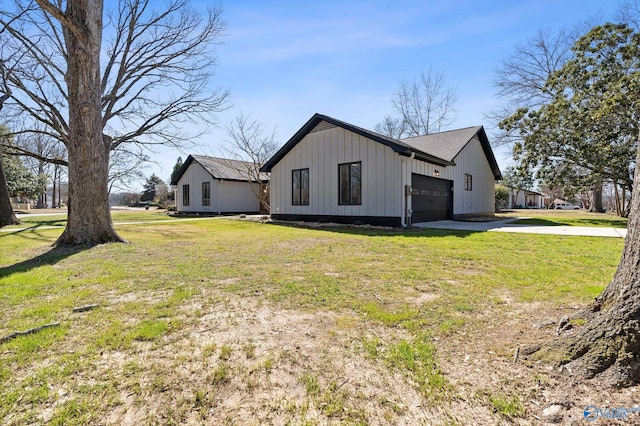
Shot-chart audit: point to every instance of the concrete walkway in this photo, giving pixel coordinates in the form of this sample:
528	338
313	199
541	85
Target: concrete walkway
505	225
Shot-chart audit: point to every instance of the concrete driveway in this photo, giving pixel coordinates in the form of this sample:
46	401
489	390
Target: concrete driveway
505	225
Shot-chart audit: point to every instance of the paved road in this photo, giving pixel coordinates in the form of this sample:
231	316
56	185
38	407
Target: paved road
505	225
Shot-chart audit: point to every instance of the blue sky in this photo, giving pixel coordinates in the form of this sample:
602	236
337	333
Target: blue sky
283	61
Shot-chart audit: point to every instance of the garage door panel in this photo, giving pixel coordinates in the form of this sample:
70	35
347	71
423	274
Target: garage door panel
431	198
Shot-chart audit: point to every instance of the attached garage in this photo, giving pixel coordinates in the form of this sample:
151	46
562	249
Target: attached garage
337	172
431	198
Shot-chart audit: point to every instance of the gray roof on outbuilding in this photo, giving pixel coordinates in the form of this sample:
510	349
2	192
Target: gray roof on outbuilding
219	168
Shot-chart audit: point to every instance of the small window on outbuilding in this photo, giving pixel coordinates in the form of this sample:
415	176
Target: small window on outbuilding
185	195
206	193
468	182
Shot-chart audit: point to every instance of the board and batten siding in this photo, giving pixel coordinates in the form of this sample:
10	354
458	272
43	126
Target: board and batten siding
237	197
481	199
470	160
226	196
321	152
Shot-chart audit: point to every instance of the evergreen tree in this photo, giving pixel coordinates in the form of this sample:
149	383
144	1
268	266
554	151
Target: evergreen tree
176	169
150	188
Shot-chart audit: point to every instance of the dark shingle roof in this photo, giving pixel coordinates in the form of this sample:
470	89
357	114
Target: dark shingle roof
219	168
447	145
444	144
438	148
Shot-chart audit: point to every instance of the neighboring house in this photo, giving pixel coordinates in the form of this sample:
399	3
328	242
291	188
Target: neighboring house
524	198
216	185
332	170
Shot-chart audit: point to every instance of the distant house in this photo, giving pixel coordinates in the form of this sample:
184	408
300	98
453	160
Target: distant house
339	172
524	198
217	186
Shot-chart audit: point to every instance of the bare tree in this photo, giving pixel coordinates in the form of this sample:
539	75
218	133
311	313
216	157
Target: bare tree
125	167
392	127
154	84
630	13
425	105
7	216
247	142
521	79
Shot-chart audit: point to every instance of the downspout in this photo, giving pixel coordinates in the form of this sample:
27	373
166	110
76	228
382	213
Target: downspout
219	197
406	218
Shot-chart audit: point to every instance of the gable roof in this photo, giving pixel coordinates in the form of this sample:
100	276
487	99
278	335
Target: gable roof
218	168
525	190
324	122
448	144
438	148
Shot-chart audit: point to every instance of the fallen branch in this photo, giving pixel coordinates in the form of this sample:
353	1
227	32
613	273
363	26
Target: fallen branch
26	332
517	355
380	299
85	308
342	384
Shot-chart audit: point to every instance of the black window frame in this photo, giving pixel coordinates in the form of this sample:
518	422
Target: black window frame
185	195
206	194
468	182
302	198
350	201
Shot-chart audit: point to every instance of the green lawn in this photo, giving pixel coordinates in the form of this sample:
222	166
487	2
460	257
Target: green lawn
156	294
567	218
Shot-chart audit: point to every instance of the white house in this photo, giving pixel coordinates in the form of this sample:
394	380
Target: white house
524	198
216	186
339	172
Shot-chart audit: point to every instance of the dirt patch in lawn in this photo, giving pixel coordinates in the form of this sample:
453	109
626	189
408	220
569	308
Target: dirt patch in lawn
245	361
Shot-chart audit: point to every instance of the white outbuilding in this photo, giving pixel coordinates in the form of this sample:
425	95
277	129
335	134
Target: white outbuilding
214	185
334	171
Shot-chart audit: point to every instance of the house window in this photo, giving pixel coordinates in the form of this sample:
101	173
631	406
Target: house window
206	193
468	182
350	184
185	195
300	187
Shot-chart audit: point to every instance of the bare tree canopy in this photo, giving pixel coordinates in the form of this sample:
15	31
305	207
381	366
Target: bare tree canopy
247	141
391	126
520	79
423	106
154	84
155	80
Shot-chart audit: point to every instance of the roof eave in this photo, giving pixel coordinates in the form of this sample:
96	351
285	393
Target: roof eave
488	152
183	169
419	155
399	148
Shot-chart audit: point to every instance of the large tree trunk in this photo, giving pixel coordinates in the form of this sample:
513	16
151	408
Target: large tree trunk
7	217
596	199
89	219
610	341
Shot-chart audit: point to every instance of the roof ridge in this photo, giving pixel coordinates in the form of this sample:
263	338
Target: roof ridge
444	131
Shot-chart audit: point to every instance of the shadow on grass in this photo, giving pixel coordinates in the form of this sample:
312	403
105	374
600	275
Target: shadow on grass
602	222
53	256
374	231
33	224
33	228
591	222
538	222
